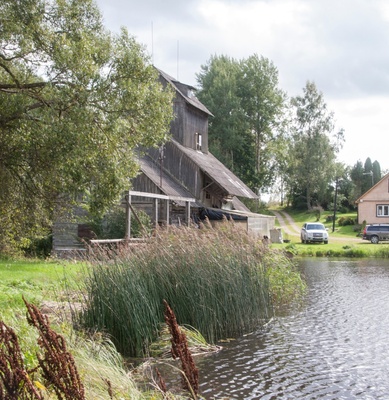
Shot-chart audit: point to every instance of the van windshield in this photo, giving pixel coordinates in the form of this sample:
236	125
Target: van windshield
315	226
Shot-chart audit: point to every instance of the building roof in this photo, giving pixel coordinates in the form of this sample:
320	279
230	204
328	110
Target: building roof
360	199
217	171
186	91
169	186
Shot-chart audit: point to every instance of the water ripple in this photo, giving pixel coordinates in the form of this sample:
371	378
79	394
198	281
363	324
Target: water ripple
333	347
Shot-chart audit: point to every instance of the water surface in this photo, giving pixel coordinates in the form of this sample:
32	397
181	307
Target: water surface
334	345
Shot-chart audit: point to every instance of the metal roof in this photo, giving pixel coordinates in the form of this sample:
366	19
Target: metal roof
218	172
169	186
184	91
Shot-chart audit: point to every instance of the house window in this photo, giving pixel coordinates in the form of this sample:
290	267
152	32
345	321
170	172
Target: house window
198	141
383	210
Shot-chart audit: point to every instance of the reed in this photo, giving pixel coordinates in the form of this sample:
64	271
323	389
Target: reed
215	279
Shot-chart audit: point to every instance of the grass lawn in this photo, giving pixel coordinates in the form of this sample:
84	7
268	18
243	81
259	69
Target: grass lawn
36	280
343	242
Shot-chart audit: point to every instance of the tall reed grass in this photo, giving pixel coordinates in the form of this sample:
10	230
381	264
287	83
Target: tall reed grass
214	279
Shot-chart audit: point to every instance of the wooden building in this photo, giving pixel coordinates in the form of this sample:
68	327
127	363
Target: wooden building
182	181
184	167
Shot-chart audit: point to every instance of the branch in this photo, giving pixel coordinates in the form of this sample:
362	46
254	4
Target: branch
4	86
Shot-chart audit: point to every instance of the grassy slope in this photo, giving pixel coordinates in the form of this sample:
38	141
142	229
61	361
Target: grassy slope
344	241
97	360
36	280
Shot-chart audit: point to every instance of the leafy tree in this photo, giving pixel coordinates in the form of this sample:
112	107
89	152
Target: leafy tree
376	172
368	178
364	176
229	140
247	106
75	101
357	179
312	155
263	103
343	186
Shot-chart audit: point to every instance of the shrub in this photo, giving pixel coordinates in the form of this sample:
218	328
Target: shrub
345	221
113	224
318	211
39	247
330	218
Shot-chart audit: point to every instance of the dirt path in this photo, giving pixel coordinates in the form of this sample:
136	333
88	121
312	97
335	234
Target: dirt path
287	223
289	226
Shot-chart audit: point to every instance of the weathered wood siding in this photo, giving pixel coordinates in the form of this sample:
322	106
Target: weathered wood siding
177	213
183	169
187	123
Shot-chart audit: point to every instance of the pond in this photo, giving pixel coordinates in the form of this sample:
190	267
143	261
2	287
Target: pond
332	345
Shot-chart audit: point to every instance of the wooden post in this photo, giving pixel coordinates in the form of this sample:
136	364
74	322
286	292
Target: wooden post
167	212
187	209
128	216
156	213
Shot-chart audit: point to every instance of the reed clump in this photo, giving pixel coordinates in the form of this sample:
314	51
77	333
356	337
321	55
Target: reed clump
215	279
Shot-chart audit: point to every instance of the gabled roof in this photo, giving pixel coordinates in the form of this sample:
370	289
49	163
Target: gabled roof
184	91
218	172
371	189
169	186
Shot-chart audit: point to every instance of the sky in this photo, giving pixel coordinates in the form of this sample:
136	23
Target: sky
340	45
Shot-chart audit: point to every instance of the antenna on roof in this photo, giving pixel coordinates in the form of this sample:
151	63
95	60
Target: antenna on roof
178	55
152	43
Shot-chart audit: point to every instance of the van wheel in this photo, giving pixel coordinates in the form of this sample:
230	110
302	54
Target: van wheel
326	242
374	239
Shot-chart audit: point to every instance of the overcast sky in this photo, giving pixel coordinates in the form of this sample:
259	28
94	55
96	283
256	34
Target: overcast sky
341	45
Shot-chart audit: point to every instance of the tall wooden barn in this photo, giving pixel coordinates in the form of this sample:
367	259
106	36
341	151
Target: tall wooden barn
182	182
183	168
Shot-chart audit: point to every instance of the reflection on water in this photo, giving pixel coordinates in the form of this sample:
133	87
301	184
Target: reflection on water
333	346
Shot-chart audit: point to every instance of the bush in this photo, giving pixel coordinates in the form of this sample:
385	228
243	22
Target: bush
317	211
39	247
345	221
113	224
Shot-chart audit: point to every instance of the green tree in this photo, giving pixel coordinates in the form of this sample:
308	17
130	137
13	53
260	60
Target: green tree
263	103
357	179
229	140
75	101
368	178
247	106
312	156
376	172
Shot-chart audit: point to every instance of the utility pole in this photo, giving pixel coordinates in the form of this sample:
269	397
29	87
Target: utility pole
335	199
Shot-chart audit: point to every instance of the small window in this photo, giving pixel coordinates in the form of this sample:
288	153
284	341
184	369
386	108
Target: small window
383	210
199	140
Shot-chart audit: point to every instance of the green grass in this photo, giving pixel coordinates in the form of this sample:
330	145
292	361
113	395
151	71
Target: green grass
335	249
343	242
36	280
97	360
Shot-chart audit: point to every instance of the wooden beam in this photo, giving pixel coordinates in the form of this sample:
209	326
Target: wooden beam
187	209
128	216
161	196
